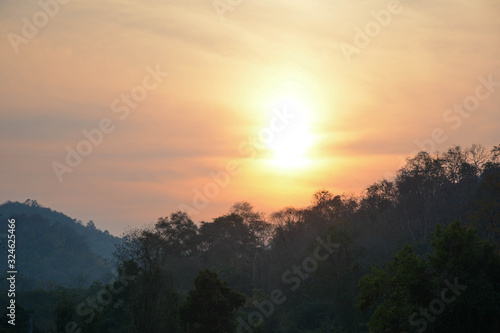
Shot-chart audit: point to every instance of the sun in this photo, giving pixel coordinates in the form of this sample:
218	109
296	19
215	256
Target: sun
290	146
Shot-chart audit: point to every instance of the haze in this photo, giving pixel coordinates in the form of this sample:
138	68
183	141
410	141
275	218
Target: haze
356	115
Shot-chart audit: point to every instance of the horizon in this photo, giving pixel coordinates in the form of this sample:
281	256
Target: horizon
123	114
141	224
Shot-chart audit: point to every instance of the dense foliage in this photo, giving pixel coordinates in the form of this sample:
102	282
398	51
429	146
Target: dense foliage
344	264
99	242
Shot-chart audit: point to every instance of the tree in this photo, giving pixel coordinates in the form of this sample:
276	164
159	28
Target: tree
179	234
402	286
378	202
419	183
211	305
460	254
328	209
156	301
486	202
245	210
226	239
456	290
255	221
91	225
453	161
477	157
64	310
495	153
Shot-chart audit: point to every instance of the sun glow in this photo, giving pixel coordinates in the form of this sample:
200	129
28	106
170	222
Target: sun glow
290	145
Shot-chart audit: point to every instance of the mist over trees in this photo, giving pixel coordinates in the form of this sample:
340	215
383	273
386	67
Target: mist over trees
55	250
377	262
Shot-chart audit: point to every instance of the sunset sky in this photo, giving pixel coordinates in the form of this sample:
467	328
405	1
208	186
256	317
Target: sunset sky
328	106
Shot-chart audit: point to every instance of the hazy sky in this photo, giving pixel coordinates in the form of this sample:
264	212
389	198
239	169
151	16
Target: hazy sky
338	90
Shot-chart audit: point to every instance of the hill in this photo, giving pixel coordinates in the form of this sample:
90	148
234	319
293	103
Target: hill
54	249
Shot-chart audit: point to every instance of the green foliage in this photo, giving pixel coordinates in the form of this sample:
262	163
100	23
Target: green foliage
409	283
54	252
99	242
402	286
64	311
486	214
184	277
211	306
459	252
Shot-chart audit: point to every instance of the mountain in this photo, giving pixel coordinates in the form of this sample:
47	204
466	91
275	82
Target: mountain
54	249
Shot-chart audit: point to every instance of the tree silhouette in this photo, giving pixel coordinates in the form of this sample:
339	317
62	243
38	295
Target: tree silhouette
456	290
210	306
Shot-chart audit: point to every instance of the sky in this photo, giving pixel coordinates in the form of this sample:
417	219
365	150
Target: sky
124	111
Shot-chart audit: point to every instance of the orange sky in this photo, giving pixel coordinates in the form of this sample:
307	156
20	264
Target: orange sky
359	101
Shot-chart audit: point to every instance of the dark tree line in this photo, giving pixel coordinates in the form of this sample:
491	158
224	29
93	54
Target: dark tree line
390	258
251	253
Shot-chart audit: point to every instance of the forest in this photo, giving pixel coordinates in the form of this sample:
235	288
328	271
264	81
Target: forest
417	253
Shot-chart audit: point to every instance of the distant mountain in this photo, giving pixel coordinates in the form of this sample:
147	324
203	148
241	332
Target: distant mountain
52	248
100	242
